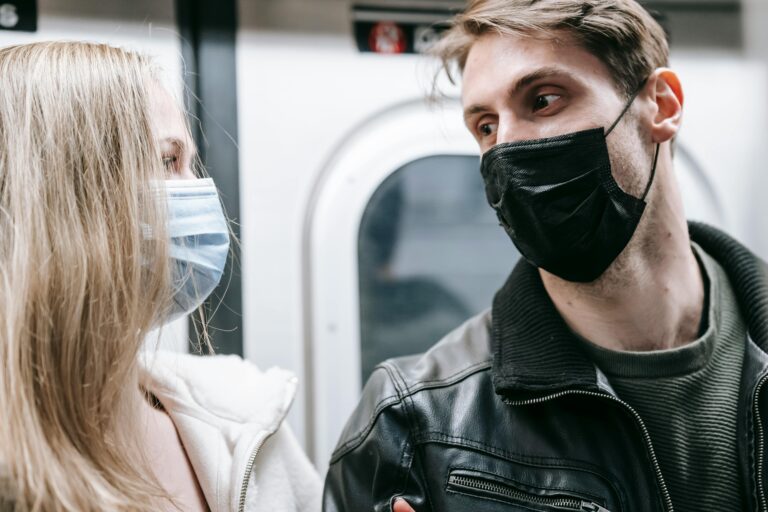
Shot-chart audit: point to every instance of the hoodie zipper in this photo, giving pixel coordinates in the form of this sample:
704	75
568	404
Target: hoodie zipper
763	502
646	435
487	486
252	458
249	469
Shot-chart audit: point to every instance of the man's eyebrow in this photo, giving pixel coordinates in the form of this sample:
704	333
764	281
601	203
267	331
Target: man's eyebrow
474	109
541	74
522	83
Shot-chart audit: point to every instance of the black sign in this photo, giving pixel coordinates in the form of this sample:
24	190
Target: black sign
394	27
391	37
18	15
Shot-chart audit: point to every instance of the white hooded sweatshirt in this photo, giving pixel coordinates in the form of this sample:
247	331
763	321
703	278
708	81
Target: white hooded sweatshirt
230	419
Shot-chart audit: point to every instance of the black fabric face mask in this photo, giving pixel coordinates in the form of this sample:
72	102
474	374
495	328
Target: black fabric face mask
559	203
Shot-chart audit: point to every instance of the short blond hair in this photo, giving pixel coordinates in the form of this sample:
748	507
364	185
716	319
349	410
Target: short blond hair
621	33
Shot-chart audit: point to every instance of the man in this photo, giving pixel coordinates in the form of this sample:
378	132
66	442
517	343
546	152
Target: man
622	364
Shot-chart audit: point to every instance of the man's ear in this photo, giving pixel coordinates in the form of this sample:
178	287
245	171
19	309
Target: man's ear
666	92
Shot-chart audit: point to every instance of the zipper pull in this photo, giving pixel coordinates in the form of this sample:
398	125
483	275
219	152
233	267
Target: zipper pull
592	507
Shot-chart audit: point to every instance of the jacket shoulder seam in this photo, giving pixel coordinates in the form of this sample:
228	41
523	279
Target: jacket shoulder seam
449	380
384	403
358	438
391	400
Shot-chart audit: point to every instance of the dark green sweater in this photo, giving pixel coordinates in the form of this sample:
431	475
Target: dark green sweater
688	399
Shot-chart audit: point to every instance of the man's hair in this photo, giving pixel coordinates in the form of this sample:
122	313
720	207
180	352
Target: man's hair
621	33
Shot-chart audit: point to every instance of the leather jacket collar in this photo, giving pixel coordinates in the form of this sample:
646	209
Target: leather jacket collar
535	353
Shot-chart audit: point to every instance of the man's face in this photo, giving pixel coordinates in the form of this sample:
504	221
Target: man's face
521	88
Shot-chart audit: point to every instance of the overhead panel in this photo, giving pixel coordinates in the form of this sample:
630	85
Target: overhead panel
401	27
406	27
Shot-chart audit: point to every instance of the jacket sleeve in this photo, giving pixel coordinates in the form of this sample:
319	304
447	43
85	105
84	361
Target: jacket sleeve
374	460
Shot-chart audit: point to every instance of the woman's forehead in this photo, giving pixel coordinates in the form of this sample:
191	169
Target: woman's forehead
168	119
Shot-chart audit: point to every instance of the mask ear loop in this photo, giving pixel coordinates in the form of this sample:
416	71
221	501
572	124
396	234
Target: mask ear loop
658	146
653	172
626	107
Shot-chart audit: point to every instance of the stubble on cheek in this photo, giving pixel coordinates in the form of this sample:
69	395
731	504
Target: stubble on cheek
631	160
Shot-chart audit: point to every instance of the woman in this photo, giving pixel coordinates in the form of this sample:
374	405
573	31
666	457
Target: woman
105	234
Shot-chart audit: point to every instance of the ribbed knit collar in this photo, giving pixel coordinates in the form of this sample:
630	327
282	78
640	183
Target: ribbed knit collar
535	353
678	361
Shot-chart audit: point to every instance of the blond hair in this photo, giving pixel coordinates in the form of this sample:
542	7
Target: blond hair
621	33
77	163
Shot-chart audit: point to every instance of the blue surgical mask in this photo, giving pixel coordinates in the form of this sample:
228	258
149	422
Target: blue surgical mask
199	242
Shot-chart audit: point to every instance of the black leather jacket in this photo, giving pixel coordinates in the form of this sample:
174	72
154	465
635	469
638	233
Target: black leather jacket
507	413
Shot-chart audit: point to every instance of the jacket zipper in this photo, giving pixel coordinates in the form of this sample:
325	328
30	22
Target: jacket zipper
506	491
252	459
249	469
763	505
646	435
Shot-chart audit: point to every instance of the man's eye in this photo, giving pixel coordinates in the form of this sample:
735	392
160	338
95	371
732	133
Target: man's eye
488	129
544	101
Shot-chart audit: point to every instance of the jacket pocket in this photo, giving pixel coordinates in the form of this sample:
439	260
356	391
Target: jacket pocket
485	486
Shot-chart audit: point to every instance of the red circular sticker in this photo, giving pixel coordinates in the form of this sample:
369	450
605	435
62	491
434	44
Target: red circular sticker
387	37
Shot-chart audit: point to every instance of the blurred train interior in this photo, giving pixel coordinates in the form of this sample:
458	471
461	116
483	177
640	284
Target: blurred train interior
365	233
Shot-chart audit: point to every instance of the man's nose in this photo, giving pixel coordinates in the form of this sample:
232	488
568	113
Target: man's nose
513	130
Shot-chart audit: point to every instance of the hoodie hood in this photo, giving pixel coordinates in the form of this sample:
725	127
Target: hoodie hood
225	410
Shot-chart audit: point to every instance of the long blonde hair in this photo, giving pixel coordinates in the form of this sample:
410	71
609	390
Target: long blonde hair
84	272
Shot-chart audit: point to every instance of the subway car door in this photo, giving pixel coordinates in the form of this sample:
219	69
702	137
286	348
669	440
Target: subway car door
403	248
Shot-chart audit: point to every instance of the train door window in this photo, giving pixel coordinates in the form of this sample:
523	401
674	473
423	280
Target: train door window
431	254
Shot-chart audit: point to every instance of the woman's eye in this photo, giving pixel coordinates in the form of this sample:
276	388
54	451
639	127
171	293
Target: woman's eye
170	163
487	129
544	101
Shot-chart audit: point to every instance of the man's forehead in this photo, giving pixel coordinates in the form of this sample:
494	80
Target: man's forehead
554	45
504	60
